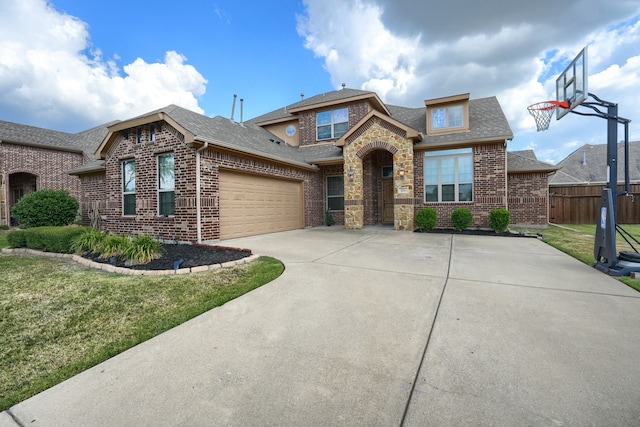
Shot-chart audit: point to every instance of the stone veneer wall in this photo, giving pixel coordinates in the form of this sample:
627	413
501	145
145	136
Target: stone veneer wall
377	134
529	198
489	186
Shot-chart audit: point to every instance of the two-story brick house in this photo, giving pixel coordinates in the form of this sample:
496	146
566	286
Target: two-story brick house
184	175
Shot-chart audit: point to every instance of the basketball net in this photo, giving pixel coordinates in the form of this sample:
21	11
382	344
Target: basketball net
542	112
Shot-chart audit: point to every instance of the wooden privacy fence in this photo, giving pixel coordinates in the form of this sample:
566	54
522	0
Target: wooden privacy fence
580	204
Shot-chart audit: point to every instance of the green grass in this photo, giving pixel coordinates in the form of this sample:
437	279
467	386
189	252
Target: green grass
58	318
577	240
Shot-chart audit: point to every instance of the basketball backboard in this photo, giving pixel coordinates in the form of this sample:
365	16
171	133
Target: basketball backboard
571	85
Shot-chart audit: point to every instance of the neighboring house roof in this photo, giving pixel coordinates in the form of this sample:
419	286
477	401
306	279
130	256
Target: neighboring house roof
588	165
83	142
526	161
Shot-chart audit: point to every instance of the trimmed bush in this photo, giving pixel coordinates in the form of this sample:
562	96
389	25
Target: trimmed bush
328	218
46	208
461	218
17	239
48	239
426	218
499	220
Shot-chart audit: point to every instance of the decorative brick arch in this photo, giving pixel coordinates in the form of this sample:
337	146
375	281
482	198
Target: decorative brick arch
376	145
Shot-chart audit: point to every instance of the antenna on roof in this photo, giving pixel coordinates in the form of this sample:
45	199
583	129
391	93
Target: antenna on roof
241	109
233	107
301	96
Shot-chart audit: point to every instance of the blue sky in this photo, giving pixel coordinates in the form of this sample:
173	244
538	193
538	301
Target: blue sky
72	64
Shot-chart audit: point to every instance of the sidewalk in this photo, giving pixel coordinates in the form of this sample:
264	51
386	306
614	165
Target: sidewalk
377	327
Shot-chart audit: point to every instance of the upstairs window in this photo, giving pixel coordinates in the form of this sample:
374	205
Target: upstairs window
152	133
166	184
335	193
447	117
448	175
332	124
129	187
138	135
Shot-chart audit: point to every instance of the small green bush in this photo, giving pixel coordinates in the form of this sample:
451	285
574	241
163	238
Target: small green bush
426	218
4	227
461	218
113	245
17	239
328	218
46	208
89	239
49	239
143	249
499	220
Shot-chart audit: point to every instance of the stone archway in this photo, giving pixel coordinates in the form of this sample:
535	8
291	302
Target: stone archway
373	135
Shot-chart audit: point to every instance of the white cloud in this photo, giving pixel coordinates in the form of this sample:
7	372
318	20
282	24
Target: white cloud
50	71
409	51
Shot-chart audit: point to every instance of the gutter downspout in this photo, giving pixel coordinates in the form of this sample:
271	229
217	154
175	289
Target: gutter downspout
198	215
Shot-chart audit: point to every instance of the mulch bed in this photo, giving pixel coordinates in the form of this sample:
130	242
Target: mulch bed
474	232
191	256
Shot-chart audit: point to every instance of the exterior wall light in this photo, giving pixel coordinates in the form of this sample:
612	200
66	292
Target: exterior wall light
401	171
350	173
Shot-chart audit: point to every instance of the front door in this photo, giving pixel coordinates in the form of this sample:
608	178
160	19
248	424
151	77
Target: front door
387	202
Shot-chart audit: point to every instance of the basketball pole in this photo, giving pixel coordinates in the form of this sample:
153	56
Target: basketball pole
605	251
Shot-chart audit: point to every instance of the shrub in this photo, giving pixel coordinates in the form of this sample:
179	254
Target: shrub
112	245
499	220
4	227
49	239
426	218
328	218
17	239
461	218
89	239
46	208
143	249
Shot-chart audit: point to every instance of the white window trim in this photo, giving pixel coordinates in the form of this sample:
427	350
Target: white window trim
158	190
332	123
456	182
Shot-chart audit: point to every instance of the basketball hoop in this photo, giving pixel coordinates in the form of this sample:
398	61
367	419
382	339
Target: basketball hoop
542	112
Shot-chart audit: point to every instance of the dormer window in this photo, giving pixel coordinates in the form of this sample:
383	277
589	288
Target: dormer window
446	117
449	114
332	124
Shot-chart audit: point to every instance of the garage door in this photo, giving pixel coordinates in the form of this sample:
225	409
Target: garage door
251	204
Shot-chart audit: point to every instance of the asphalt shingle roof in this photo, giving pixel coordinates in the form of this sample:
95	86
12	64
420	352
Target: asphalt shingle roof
526	161
86	141
594	170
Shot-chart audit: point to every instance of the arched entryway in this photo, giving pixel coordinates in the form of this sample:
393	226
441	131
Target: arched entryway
377	183
20	184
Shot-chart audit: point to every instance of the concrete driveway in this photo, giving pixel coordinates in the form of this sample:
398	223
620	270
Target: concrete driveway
381	328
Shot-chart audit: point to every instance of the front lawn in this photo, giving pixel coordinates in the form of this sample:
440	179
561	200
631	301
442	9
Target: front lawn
59	319
577	240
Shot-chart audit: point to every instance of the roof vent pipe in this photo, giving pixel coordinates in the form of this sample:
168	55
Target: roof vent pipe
241	109
584	158
233	107
302	97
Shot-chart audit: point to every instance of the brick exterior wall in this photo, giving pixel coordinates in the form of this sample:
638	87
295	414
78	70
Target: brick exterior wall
321	189
489	186
529	199
307	120
105	191
47	166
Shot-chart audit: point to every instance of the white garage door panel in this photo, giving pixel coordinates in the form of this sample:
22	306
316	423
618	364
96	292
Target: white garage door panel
251	204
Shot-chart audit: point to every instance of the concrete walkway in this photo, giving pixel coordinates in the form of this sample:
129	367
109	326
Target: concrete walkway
381	328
